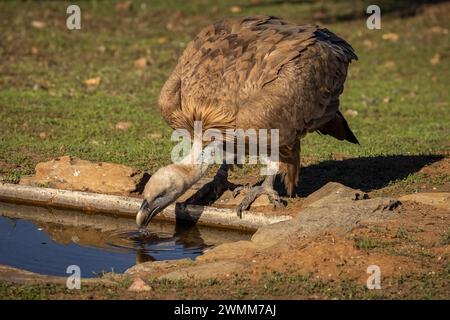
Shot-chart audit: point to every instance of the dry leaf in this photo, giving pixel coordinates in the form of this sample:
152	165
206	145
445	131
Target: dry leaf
351	113
139	285
368	44
170	26
235	9
122	125
438	30
162	40
341	156
141	63
93	82
435	59
38	24
124	6
101	49
320	15
390	64
179	14
155	135
391	36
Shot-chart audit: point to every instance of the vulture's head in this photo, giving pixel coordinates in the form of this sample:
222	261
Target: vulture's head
163	188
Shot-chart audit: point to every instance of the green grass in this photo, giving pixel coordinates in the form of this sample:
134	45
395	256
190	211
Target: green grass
365	243
402	109
273	285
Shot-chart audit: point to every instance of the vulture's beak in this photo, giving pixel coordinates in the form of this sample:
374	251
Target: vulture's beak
146	213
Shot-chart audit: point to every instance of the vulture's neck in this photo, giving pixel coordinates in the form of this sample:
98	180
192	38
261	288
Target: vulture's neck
197	163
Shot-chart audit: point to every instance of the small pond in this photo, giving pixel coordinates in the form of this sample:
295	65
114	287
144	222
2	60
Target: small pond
47	241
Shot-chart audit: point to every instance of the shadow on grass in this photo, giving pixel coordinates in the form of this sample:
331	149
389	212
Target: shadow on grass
366	174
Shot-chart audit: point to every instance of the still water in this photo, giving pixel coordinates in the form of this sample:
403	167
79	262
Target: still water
49	248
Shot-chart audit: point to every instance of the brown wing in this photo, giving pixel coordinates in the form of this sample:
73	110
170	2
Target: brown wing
231	62
304	92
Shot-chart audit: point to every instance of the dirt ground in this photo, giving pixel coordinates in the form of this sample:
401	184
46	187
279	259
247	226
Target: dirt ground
412	251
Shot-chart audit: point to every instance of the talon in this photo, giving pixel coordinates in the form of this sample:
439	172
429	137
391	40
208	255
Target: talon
254	193
237	190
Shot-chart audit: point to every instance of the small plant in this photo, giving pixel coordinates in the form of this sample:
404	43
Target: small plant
13	177
401	233
445	240
365	243
210	282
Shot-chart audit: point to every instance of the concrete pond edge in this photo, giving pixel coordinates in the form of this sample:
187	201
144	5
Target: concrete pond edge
127	207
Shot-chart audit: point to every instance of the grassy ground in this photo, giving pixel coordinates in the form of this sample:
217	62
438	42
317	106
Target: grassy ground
398	88
47	110
273	286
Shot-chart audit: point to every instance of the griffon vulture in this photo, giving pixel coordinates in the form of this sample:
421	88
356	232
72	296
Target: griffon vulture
257	72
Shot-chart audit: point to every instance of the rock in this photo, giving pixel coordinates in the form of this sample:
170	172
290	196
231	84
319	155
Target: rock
153	268
139	285
334	206
330	192
205	271
74	174
229	251
436	199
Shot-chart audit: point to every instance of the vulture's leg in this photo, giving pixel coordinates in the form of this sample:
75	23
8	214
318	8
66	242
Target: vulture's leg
212	191
265	188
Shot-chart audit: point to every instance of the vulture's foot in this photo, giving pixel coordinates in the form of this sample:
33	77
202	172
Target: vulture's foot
254	193
212	191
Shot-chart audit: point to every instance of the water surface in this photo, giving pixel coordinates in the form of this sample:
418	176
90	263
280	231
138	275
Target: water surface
49	248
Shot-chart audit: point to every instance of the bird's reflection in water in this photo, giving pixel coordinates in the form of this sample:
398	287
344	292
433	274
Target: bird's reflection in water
185	242
142	256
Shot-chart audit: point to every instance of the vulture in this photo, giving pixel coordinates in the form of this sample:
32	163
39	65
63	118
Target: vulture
258	72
